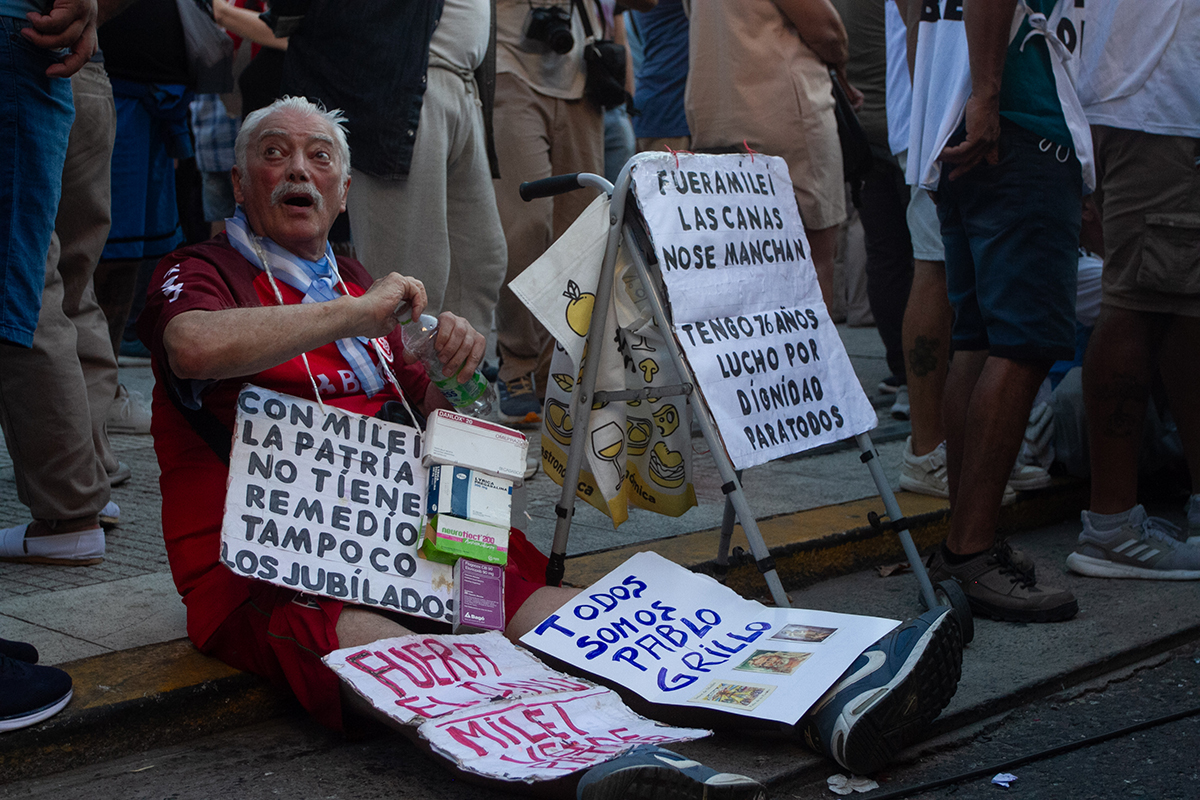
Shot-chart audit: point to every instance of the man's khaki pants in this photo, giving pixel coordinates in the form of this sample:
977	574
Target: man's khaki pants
55	396
536	137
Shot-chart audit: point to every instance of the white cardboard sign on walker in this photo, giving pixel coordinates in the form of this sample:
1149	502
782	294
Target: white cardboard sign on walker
746	305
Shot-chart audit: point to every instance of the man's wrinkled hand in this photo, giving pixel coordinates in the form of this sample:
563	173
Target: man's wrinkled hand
459	346
983	138
388	298
70	24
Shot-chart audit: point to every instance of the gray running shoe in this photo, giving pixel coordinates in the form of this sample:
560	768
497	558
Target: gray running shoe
1144	547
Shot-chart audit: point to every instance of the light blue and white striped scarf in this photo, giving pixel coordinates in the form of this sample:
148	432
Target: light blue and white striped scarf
316	280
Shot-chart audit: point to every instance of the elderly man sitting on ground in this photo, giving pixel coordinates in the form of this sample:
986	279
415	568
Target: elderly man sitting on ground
267	302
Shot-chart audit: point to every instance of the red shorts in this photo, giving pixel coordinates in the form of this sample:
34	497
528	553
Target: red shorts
282	634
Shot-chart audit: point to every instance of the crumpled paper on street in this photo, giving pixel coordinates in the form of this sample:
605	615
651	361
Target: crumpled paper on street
1004	779
840	784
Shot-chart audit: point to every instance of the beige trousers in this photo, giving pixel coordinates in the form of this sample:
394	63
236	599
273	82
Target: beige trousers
536	137
55	396
440	224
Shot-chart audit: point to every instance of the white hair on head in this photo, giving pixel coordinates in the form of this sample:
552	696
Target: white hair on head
335	119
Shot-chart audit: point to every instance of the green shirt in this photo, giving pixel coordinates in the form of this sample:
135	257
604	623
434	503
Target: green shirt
1028	95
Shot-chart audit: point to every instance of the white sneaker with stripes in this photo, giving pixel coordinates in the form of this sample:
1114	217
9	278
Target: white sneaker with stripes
1143	547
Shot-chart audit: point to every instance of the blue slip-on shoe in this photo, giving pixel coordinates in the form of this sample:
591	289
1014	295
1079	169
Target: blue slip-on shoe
889	695
519	405
648	771
30	693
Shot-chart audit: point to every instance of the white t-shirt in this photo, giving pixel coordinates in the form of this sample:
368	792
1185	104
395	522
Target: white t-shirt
1141	71
899	88
942	85
940	88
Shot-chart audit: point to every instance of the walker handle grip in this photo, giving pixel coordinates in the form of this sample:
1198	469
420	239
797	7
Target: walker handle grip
548	187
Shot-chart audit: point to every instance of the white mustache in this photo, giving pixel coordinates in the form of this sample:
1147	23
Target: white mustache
287	188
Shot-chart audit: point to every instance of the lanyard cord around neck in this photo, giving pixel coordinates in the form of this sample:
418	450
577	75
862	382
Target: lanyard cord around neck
384	367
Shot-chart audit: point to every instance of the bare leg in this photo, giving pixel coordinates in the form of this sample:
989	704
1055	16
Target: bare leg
926	336
987	407
1117	372
824	248
541	604
1180	360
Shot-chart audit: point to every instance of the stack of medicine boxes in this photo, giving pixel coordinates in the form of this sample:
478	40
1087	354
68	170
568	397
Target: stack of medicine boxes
472	467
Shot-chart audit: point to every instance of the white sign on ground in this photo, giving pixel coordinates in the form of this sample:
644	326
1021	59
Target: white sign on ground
683	639
328	502
746	306
496	710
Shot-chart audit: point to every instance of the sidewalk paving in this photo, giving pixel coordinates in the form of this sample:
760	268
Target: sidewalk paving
121	624
129	600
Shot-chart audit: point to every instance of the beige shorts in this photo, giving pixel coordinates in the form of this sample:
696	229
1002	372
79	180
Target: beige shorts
1149	197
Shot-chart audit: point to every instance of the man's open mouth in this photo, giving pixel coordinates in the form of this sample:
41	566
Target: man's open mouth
296	195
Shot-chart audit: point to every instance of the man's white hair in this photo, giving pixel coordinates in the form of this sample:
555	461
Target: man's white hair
335	120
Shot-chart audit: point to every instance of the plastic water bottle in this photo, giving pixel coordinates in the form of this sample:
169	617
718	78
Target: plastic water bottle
475	398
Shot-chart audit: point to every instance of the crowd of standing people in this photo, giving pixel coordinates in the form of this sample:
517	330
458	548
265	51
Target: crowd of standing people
1008	151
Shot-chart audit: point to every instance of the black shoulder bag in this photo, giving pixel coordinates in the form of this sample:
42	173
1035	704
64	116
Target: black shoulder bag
604	60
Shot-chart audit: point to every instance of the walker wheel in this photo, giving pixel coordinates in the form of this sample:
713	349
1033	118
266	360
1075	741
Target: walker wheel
949	593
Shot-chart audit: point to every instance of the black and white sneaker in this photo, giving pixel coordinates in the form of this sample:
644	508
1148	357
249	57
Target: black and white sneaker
889	695
30	693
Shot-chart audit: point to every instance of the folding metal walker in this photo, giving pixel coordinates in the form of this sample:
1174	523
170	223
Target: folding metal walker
637	244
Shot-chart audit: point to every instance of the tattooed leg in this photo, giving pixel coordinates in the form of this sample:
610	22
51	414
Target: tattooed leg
926	336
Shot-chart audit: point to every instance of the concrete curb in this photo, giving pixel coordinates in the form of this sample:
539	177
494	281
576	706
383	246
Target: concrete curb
167	693
132	700
821	543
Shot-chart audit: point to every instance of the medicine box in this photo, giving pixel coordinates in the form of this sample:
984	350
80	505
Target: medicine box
479	596
463	441
447	538
469	494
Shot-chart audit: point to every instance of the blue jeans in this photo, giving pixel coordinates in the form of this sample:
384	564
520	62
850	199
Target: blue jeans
35	121
1011	232
619	144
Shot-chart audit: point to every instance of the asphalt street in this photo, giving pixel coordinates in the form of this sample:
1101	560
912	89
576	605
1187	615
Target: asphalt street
1158	762
291	756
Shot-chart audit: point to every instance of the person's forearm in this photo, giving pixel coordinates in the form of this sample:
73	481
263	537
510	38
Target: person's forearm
820	27
211	345
988	23
245	23
912	23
